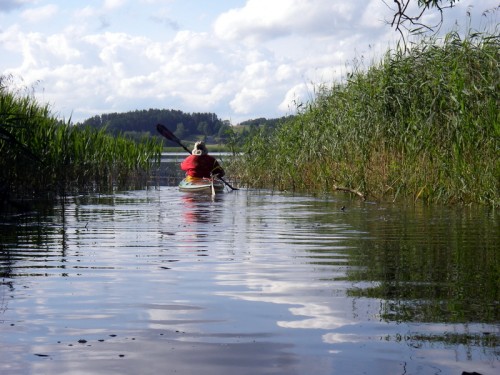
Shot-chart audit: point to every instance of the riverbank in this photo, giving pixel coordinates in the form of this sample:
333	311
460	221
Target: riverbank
423	123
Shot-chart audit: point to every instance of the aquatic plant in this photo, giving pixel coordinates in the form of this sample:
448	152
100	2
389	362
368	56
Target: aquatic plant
42	154
423	123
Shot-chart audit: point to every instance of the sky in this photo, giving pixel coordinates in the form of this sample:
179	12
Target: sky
239	59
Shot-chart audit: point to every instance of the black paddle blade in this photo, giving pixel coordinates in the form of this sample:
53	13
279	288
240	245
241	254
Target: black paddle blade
167	133
170	136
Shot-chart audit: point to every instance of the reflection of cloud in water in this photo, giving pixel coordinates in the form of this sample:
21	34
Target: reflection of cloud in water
281	255
305	298
339	338
322	317
177	314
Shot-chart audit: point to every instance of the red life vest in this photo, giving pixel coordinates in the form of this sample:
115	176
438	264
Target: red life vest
201	166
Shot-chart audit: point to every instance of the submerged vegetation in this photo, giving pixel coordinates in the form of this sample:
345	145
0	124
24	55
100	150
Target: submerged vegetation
42	155
421	124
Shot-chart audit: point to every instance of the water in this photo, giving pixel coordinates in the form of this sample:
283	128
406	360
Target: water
252	282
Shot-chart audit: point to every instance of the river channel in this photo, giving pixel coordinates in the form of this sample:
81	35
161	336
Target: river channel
156	281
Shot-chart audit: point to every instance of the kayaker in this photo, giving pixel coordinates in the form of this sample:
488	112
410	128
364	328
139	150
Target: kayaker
201	165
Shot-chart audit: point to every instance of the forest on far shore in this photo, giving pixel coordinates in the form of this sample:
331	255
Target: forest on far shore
141	124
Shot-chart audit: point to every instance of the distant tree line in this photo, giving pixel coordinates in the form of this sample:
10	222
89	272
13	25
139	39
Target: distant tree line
184	125
187	126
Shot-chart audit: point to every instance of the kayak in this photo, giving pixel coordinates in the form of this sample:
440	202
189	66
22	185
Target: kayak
201	185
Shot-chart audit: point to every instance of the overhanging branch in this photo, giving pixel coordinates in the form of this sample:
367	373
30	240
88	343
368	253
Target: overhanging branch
403	15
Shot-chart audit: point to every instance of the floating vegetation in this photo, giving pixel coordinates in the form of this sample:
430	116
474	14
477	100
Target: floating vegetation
421	124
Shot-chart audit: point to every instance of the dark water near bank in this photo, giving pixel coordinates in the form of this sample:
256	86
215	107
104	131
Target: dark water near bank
158	282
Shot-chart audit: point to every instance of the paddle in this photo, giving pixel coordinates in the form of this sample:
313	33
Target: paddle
171	136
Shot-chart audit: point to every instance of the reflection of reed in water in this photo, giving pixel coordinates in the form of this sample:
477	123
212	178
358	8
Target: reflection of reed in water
434	271
168	172
433	283
3	297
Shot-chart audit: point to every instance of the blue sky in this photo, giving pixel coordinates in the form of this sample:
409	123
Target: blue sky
241	59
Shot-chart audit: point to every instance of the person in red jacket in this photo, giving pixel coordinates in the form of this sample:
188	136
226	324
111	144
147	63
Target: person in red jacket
201	165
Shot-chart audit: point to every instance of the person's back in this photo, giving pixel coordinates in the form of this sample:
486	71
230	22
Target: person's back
200	164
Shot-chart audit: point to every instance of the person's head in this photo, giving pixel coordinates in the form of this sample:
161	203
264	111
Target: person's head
200	148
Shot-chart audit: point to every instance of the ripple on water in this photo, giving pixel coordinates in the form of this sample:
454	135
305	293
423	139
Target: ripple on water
248	282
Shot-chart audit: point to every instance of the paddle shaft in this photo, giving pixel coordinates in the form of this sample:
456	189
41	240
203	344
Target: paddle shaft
162	129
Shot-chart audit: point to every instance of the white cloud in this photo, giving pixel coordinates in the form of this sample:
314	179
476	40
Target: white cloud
86	12
40	14
9	39
60	47
113	4
262	20
258	59
297	95
256	74
246	99
285	72
375	14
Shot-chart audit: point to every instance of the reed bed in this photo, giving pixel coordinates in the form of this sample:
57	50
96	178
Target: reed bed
423	123
42	155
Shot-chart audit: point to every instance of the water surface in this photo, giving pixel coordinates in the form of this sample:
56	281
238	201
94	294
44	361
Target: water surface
251	282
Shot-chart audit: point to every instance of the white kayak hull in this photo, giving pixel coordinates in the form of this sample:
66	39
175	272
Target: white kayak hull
201	185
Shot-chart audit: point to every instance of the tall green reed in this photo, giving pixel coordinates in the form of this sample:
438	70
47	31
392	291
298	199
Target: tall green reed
423	123
43	155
